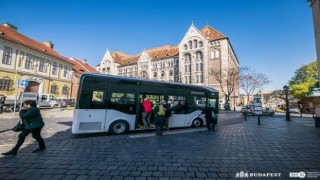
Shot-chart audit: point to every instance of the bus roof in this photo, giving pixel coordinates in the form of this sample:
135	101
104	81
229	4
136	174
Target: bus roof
148	80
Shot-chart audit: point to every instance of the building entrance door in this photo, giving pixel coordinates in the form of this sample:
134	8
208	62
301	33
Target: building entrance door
33	86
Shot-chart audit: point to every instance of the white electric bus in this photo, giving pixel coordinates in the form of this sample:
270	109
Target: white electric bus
107	103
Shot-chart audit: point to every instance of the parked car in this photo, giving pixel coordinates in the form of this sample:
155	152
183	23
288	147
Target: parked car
294	110
68	102
248	109
43	100
266	111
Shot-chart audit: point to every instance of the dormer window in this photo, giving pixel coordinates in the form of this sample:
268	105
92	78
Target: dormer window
195	42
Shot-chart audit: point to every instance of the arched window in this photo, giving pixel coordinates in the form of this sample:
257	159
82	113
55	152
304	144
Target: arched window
155	74
185	47
163	74
200	44
190	44
65	89
187	57
195	42
199	55
54	89
170	73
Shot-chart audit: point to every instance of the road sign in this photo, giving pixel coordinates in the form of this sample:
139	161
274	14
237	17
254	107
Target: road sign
24	82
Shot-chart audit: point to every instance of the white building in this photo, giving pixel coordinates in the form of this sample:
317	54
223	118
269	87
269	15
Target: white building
190	62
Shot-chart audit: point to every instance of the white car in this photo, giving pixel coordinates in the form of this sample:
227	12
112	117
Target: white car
294	110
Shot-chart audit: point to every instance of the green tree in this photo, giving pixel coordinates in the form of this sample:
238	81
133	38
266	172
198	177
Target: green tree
304	81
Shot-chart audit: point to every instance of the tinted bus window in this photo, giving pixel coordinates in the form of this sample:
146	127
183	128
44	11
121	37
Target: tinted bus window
178	104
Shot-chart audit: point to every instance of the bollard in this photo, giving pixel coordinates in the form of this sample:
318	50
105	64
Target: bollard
245	116
259	120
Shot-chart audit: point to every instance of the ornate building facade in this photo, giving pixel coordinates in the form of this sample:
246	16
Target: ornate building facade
191	62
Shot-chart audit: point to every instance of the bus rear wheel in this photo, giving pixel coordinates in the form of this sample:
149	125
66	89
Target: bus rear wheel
119	127
197	123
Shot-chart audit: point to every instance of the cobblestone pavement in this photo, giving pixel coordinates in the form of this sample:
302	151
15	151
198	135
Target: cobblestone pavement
275	146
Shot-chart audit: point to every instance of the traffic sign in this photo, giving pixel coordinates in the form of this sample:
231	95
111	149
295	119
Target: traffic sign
23	87
24	82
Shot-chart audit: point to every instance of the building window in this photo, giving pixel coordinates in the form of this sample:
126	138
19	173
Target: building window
29	62
4	84
41	65
65	90
190	44
163	74
7	55
54	89
187	57
195	42
185	47
199	56
170	73
155	74
54	68
65	71
21	58
217	54
200	44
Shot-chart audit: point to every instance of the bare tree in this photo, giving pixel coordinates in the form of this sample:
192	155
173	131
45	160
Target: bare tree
251	81
228	80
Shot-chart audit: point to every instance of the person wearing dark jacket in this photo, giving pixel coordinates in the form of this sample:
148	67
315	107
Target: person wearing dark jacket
33	123
210	120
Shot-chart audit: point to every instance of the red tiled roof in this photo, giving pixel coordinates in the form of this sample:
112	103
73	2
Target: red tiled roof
163	52
15	37
81	67
211	33
154	53
118	56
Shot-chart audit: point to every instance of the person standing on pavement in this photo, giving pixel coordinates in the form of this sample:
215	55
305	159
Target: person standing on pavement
146	113
167	115
2	100
159	112
210	115
33	123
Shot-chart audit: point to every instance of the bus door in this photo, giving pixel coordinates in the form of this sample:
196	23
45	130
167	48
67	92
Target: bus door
178	111
154	98
92	116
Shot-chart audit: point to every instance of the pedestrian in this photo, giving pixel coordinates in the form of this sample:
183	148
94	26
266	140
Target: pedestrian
159	112
33	123
146	112
167	115
211	117
2	100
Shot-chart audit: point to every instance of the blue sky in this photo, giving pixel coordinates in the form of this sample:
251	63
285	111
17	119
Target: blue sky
274	37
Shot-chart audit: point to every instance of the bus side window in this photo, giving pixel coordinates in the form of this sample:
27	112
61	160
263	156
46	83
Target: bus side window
98	100
177	104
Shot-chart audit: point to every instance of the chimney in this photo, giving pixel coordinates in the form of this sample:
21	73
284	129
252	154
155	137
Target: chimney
10	26
49	44
84	61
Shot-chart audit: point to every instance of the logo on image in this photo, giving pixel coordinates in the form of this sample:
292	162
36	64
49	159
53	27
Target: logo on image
297	174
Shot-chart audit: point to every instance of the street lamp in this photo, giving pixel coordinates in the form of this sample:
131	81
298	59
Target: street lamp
286	90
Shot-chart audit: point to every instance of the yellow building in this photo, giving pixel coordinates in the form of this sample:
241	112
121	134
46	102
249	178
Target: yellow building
23	58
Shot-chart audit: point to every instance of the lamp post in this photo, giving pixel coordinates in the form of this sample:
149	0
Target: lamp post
286	90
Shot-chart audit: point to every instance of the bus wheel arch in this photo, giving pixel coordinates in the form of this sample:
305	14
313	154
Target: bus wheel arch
197	122
119	127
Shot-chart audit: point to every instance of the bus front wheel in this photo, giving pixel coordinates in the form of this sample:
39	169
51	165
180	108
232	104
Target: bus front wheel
197	122
119	127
